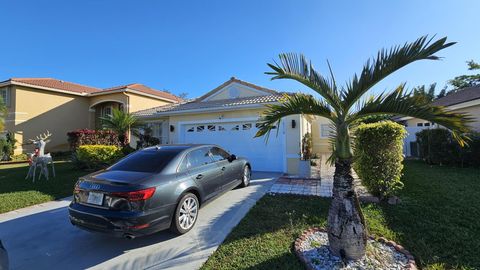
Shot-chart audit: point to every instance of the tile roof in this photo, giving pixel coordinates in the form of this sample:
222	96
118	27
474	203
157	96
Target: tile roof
56	84
214	104
144	89
460	96
86	90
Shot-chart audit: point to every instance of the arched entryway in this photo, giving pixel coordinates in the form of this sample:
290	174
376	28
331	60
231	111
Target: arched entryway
103	109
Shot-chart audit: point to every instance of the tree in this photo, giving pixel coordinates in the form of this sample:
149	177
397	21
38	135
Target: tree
424	95
344	107
464	81
121	122
3	114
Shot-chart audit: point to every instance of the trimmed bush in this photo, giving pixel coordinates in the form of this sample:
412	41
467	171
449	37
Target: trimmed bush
97	156
7	146
378	152
437	146
91	137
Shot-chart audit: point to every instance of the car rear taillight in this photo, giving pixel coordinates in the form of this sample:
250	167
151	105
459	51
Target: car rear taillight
138	195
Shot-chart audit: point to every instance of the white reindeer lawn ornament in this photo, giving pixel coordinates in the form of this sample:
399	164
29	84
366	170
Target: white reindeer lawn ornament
39	158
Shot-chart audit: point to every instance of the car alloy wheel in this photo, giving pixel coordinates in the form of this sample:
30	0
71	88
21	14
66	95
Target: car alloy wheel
188	213
246	176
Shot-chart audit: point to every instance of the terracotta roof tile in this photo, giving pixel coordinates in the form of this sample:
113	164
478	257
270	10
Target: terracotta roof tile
57	84
145	89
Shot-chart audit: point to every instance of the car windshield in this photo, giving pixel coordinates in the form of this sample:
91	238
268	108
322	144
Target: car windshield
150	161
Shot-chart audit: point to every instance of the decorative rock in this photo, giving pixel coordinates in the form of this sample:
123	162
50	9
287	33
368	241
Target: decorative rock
312	249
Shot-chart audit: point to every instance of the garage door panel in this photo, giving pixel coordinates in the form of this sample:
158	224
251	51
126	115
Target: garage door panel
238	138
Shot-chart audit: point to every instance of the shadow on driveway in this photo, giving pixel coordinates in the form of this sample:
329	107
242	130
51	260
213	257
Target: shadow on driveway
41	237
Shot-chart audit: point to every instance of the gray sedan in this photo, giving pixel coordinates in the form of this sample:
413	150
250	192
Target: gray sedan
155	188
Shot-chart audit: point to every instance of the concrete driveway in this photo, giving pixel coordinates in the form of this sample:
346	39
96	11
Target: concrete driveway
41	236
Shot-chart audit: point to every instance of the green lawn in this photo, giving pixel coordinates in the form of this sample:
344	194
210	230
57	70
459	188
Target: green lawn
16	192
438	221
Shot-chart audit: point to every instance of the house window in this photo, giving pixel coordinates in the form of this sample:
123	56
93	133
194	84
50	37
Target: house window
236	127
246	126
107	111
419	124
211	127
5	94
426	124
325	130
200	128
159	131
221	128
192	129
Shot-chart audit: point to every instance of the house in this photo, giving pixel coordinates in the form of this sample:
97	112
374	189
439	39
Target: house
35	105
228	116
465	100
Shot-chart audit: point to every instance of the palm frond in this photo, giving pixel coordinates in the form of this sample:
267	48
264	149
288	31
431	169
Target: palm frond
400	103
290	105
297	67
389	61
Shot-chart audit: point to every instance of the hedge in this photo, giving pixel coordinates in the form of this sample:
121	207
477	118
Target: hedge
97	156
91	137
378	151
437	146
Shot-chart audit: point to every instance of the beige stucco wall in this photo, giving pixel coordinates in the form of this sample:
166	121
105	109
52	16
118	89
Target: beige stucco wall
414	121
320	145
37	111
138	102
10	117
241	91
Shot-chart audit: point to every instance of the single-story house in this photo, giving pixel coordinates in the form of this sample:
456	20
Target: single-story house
465	100
35	105
228	116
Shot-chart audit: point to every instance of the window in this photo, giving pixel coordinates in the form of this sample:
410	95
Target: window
426	124
221	128
159	131
150	161
419	124
325	130
107	111
257	125
5	95
198	158
200	128
236	127
192	129
211	127
219	154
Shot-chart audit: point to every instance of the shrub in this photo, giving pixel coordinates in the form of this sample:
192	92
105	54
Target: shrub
307	146
91	137
146	139
7	146
378	156
97	156
437	146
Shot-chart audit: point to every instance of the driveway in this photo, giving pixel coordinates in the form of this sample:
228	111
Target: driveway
41	236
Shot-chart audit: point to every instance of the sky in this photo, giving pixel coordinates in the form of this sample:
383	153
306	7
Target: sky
193	46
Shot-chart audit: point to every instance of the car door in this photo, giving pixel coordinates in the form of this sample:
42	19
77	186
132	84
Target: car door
204	171
230	172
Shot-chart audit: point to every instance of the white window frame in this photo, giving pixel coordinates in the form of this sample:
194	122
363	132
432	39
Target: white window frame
5	93
160	131
104	114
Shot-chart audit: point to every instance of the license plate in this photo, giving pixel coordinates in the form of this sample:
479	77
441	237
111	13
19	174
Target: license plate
95	198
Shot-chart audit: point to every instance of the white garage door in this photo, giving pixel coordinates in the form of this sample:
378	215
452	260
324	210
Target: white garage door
238	138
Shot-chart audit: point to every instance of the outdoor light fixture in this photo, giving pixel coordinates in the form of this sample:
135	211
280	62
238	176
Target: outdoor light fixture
294	124
172	128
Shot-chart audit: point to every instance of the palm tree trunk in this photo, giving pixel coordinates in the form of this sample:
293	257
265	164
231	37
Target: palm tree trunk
347	233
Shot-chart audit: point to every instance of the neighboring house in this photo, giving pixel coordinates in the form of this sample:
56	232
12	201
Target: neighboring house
465	100
228	116
38	104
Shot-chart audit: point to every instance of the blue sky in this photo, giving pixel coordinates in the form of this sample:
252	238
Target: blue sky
193	46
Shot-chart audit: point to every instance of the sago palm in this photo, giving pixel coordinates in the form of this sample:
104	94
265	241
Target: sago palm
344	106
121	122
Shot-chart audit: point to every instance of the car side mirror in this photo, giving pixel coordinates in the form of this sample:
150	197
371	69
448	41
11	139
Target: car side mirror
232	157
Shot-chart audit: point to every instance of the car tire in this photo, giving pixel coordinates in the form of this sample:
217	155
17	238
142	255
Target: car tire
186	214
246	176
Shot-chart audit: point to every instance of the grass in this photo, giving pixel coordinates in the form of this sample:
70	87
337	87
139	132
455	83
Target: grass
438	221
16	192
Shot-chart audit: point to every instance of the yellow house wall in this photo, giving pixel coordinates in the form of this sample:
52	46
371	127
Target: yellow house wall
39	110
320	145
10	117
243	91
138	102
